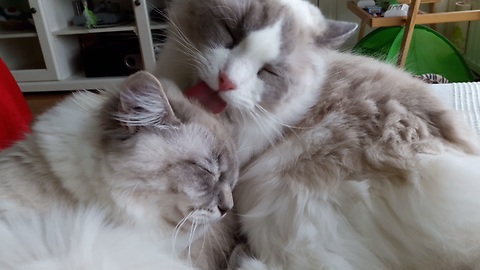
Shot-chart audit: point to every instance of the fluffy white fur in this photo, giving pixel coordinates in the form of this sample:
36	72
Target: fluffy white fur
79	239
430	223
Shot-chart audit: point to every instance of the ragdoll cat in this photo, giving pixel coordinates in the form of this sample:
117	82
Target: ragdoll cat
347	162
165	166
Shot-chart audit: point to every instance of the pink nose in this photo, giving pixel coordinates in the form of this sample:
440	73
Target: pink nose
225	84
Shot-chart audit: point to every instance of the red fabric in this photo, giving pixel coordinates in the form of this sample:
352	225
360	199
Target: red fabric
15	115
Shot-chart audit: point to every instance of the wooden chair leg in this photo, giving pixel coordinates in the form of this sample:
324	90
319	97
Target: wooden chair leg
408	32
361	31
431	9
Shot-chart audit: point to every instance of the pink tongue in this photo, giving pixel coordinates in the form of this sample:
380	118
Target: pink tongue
209	98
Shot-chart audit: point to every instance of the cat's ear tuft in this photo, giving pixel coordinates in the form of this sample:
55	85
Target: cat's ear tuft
336	33
143	103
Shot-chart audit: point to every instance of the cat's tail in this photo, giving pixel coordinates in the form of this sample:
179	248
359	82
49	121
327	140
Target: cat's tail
78	239
437	213
454	129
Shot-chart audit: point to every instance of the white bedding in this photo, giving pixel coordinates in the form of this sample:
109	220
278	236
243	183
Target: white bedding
463	97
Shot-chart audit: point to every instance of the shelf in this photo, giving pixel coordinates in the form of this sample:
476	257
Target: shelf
374	22
75	30
423	1
4	34
415	17
75	82
421	18
49	60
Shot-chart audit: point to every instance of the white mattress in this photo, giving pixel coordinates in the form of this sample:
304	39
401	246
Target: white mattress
463	97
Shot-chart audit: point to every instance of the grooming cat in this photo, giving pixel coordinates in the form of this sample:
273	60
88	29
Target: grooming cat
159	165
347	162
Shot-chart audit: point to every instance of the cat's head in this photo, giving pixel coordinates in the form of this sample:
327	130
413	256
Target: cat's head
165	159
249	53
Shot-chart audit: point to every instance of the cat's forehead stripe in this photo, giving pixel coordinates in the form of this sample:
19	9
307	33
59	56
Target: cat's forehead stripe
263	45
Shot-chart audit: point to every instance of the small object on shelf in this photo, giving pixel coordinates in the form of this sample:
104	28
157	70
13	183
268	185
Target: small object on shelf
90	18
396	10
13	12
385	3
365	3
106	14
110	54
12	19
104	19
374	10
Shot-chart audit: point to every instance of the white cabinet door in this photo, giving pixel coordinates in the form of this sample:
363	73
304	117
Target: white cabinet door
27	52
140	9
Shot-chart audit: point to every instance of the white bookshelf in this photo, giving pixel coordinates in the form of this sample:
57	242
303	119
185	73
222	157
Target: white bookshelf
47	58
17	34
78	30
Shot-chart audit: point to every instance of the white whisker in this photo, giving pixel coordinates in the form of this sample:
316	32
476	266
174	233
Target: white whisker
191	238
177	230
202	247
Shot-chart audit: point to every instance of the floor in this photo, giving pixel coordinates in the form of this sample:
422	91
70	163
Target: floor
40	102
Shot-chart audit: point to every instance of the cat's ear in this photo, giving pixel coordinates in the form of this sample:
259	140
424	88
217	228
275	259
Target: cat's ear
337	32
143	103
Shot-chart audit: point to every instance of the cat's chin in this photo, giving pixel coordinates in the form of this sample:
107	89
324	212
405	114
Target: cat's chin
207	97
203	218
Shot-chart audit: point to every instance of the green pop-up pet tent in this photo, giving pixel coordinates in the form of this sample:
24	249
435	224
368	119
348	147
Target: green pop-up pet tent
429	52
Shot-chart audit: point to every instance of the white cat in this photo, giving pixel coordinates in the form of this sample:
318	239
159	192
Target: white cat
347	162
163	166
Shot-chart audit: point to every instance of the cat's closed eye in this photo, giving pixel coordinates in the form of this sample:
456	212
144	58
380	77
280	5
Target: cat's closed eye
233	40
268	70
201	166
205	169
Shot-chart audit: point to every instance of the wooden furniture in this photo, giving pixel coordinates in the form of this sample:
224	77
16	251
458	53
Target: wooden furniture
413	17
374	22
430	3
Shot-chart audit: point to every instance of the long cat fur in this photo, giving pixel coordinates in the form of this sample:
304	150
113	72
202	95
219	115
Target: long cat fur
148	163
347	162
80	239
